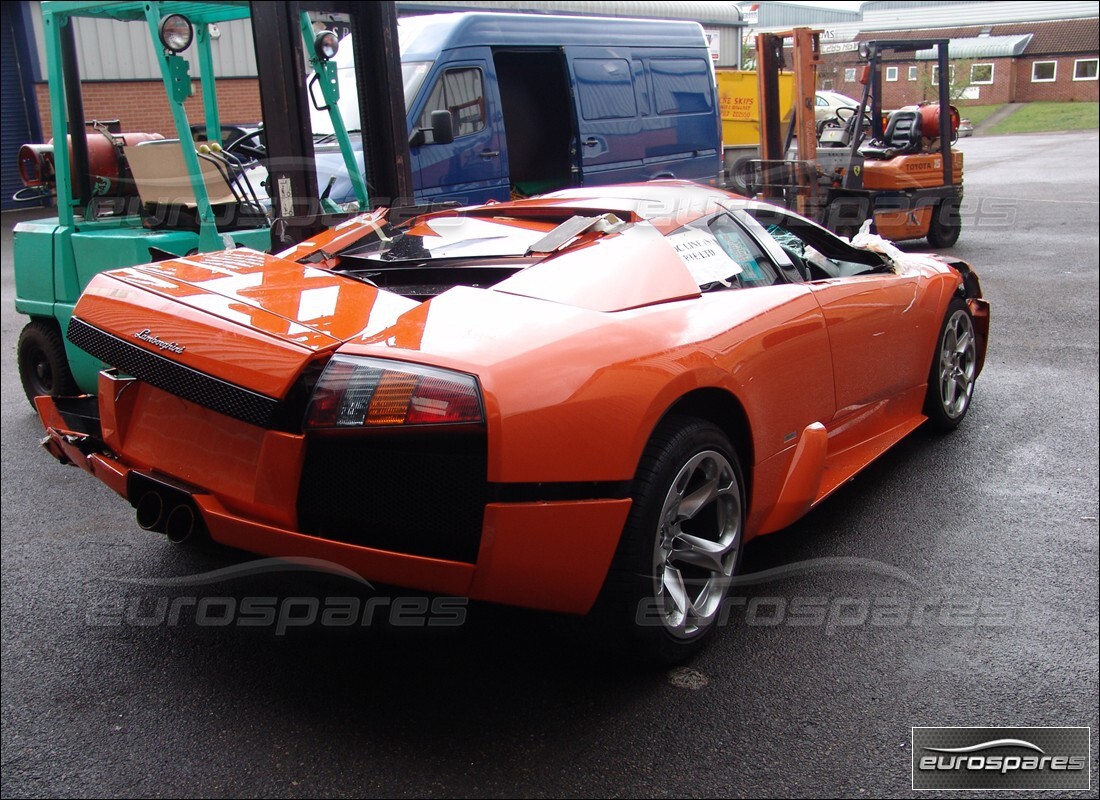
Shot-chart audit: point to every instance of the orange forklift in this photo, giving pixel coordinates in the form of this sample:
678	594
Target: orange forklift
897	169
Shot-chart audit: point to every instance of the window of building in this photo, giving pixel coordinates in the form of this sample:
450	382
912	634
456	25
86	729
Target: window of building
912	73
981	73
936	75
850	74
891	73
1044	71
1084	69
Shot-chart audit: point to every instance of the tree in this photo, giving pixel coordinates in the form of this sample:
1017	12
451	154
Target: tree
959	79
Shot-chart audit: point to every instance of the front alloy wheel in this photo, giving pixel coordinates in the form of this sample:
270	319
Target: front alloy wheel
954	369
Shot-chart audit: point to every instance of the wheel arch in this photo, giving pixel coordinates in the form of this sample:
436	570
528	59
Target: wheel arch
723	409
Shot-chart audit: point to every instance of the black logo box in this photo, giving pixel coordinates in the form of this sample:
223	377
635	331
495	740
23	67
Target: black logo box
1001	758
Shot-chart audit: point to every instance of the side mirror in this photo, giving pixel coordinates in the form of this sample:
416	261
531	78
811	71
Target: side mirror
442	127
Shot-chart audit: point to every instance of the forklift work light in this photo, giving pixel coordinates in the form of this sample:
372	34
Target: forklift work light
176	32
325	45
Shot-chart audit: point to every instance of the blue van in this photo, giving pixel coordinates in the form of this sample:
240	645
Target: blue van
509	105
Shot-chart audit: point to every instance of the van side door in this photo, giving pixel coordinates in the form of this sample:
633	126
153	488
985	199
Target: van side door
609	145
472	168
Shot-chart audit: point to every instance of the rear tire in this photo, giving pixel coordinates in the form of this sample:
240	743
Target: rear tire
43	365
946	224
681	545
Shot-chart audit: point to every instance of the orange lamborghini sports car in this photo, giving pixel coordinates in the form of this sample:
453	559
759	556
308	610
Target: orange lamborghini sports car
586	401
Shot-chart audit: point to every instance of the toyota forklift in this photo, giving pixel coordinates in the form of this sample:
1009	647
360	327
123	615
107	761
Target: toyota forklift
125	198
897	169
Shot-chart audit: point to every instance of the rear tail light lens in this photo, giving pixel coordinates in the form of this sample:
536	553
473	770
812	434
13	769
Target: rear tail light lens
371	392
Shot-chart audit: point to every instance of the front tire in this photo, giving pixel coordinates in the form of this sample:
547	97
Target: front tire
43	365
682	542
946	224
954	369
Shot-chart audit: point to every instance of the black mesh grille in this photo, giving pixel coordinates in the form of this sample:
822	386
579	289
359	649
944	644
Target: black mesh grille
154	369
421	495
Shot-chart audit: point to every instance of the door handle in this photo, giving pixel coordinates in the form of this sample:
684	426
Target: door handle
487	154
591	141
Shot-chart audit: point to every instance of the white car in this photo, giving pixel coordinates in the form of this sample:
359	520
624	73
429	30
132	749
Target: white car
827	103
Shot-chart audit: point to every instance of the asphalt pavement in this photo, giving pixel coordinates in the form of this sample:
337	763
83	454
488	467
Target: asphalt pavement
953	584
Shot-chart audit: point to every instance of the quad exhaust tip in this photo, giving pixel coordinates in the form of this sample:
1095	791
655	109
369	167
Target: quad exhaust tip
150	512
180	524
164	514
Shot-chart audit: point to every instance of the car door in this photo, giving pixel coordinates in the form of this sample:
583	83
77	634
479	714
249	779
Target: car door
875	317
873	322
472	168
774	343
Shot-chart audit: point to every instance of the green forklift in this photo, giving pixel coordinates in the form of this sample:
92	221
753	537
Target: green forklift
128	198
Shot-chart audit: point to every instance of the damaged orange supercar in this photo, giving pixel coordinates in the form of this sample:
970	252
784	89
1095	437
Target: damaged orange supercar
586	401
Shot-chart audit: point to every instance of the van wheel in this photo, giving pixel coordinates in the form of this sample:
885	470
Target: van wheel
43	365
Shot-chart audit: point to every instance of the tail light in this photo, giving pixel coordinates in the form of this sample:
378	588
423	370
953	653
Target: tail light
372	392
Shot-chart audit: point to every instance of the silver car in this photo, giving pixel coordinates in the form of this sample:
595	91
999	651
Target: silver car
827	103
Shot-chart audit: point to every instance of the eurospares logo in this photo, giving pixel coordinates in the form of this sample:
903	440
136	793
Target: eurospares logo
1001	758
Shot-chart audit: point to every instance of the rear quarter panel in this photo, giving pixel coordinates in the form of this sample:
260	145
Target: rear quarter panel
580	406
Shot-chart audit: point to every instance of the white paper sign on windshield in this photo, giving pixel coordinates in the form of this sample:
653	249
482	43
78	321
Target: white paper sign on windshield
704	257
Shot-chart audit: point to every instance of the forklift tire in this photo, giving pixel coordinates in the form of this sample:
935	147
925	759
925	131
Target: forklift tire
946	224
43	365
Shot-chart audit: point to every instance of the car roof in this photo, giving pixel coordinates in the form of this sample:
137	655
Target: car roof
660	202
838	96
666	205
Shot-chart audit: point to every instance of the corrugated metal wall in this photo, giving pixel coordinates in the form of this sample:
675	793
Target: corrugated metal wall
883	15
887	14
108	50
702	12
774	15
722	17
18	123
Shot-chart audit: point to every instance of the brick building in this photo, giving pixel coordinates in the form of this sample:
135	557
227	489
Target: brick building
1007	63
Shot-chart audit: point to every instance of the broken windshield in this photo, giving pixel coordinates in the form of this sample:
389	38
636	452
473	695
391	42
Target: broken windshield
456	237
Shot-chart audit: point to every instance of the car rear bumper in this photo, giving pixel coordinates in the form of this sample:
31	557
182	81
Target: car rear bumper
551	555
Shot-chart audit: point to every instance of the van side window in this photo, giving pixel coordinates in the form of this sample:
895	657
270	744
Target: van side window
681	85
462	92
605	88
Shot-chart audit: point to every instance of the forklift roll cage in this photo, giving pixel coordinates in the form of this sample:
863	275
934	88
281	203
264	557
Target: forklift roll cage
55	257
809	183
